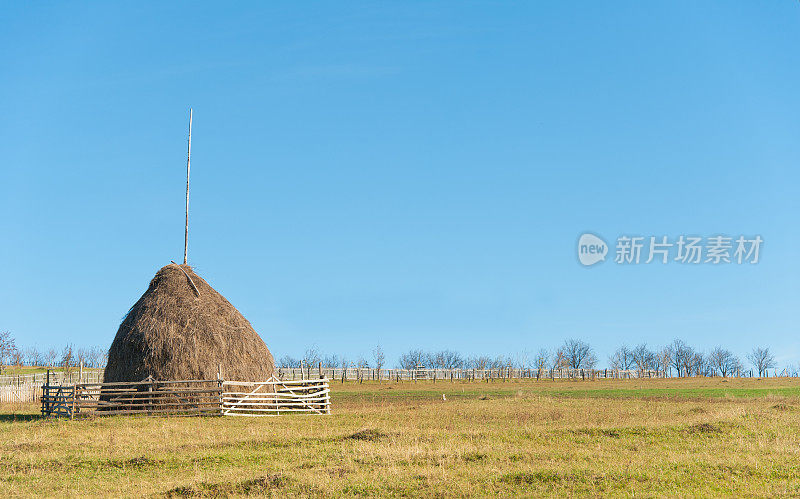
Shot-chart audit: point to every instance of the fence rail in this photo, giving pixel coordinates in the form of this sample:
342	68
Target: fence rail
361	374
144	397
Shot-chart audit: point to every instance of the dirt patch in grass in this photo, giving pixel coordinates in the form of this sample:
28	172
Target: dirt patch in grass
473	457
783	407
368	434
705	428
337	472
531	478
697	410
255	486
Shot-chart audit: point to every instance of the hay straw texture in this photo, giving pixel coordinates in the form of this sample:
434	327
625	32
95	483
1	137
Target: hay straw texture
171	333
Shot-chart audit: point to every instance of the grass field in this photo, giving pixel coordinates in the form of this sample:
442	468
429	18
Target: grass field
695	437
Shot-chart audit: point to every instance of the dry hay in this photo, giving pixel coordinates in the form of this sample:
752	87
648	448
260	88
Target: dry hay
176	333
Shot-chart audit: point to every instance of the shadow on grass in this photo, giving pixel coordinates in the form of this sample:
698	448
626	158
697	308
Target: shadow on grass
10	418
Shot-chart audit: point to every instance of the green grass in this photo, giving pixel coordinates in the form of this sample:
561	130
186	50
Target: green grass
702	437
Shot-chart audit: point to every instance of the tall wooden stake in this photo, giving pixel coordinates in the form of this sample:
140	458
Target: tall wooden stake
188	164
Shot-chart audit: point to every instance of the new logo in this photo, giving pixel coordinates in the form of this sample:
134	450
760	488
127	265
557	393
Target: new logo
591	249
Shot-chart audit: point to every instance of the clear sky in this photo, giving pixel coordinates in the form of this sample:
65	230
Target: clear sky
409	174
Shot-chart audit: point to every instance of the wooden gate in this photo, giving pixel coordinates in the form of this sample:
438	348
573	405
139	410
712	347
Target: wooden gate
274	397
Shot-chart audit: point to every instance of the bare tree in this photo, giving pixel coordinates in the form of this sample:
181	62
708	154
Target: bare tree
762	359
51	357
542	360
663	358
7	348
68	359
102	360
522	359
288	361
16	358
498	362
681	357
643	358
578	354
621	359
445	359
93	356
723	361
480	363
312	356
558	360
378	358
81	355
412	359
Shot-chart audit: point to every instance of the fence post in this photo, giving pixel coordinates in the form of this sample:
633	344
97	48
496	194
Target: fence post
219	385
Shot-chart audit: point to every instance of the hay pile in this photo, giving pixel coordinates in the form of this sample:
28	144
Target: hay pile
176	333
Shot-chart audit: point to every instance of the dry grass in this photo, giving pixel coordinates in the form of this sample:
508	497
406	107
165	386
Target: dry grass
660	437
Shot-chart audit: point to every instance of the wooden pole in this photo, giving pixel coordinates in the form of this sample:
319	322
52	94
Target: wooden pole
188	163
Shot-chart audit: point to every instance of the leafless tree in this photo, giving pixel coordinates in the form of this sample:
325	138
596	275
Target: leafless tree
723	361
93	356
663	358
681	357
81	355
643	358
522	359
288	361
412	359
480	363
68	359
378	357
33	357
542	360
498	362
698	364
312	356
445	359
102	359
621	359
558	360
7	348
578	354
51	357
762	359
16	357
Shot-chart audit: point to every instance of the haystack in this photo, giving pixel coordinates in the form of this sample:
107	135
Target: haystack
182	329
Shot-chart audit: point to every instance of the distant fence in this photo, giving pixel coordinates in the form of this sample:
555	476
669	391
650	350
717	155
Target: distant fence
28	387
186	397
361	374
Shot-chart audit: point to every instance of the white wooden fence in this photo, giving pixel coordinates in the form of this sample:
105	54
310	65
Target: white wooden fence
28	387
275	397
366	374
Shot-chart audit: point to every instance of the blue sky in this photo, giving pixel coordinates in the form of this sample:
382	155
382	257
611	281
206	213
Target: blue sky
408	174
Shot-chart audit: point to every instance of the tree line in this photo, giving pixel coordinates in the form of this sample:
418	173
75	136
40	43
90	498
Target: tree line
675	359
68	357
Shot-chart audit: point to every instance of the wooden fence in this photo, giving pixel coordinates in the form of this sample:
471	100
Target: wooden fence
271	398
362	374
28	387
185	397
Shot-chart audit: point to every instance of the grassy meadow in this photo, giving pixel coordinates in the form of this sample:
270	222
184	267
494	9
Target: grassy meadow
688	437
